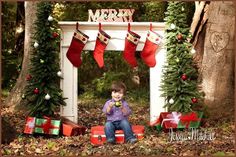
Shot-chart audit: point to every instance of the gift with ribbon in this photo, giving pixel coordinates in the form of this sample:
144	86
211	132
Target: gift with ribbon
190	120
156	123
172	119
29	126
46	125
180	120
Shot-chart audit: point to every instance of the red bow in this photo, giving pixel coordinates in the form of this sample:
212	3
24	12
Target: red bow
189	118
47	125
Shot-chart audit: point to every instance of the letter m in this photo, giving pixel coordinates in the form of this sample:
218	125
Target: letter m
93	17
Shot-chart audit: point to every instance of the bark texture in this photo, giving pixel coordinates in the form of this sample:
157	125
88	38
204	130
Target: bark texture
218	61
14	97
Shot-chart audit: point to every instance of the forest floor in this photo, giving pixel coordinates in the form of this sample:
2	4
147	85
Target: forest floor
154	142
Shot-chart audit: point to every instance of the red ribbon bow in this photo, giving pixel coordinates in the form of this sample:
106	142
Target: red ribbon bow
47	125
186	119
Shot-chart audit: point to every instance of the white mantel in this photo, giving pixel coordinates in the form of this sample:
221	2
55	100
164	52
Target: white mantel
117	31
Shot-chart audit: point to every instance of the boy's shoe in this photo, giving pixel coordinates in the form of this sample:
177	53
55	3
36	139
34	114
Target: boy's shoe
132	140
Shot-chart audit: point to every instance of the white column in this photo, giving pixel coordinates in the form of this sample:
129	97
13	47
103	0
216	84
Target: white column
156	101
69	85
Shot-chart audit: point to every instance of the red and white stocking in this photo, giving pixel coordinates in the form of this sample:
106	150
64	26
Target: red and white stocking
151	45
100	46
131	42
78	42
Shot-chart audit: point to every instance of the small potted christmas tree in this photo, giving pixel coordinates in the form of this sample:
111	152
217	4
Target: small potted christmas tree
180	84
42	94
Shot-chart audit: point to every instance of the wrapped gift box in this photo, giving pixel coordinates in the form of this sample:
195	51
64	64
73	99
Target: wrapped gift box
190	120
179	120
158	127
70	128
157	124
47	126
98	136
29	126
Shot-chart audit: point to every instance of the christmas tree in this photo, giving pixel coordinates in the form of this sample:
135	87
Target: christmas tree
42	94
179	84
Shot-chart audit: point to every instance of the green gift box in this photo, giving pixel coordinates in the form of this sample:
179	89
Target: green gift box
191	123
158	127
47	126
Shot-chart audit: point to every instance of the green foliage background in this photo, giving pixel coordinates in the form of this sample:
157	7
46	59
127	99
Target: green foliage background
11	59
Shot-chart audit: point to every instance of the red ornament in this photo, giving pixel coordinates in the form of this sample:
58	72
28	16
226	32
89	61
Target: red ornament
179	36
28	77
55	34
184	77
36	91
194	100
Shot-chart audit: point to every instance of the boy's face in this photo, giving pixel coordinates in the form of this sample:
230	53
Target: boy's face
117	96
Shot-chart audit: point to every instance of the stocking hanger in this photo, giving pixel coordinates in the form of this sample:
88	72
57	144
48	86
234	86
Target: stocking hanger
128	26
100	28
150	26
77	25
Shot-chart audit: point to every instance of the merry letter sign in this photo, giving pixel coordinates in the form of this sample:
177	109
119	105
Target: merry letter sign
111	15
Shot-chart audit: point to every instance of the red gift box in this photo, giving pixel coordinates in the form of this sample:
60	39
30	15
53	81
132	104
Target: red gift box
170	119
29	126
98	136
70	128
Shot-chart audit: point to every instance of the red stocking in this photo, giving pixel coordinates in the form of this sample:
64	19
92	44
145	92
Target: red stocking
131	42
101	43
151	45
77	44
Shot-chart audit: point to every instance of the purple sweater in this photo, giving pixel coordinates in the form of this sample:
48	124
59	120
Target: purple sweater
115	113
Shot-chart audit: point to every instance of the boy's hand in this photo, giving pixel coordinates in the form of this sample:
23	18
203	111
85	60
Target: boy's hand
110	106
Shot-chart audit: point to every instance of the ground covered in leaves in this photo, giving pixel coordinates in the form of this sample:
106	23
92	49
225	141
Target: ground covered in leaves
154	142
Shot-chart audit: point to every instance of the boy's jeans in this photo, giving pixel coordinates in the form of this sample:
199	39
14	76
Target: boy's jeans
111	127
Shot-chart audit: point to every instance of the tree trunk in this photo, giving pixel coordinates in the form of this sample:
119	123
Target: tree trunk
217	70
198	30
20	33
14	97
199	6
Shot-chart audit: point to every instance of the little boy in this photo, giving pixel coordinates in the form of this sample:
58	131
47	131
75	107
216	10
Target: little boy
117	111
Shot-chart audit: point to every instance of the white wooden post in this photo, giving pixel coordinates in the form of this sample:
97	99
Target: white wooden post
117	31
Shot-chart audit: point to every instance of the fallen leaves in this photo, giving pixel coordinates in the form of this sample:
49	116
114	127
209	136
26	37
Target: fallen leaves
90	114
38	150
